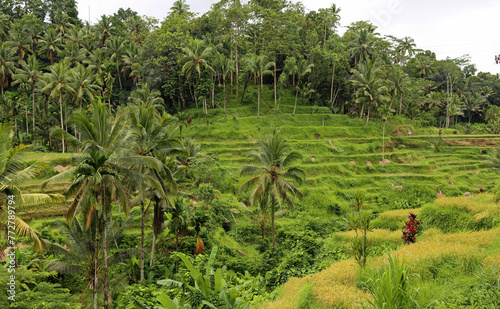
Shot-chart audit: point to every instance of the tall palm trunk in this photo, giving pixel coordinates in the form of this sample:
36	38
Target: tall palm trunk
224	83
142	241
272	223
368	113
275	95
107	295
296	94
95	257
33	104
62	122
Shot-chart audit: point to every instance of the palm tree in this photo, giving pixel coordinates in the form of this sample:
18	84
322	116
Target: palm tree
454	107
50	43
363	46
131	61
58	82
369	87
194	58
20	43
225	67
180	7
259	67
398	85
148	98
14	172
103	173
474	102
271	176
425	66
153	134
115	45
74	54
31	73
406	46
302	68
7	65
104	29
77	36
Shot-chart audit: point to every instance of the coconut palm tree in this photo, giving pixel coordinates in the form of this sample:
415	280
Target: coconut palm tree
83	81
258	66
398	84
50	43
369	87
225	67
30	72
104	29
146	97
271	176
474	102
153	134
406	46
194	58
20	43
180	7
115	46
363	46
58	83
7	65
302	68
131	61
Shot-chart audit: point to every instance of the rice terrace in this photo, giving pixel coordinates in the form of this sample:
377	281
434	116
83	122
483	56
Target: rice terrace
258	154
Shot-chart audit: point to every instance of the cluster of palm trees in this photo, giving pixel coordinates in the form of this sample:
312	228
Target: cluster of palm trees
67	65
121	163
376	84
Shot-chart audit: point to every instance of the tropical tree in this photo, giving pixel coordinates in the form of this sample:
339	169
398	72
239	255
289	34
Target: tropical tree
474	103
272	176
7	65
259	67
362	47
398	84
30	72
302	68
104	172
58	83
194	57
225	67
115	46
406	46
82	81
50	44
19	43
369	87
153	134
180	7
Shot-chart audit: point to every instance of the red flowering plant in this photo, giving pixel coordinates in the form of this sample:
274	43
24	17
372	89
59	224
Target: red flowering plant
410	230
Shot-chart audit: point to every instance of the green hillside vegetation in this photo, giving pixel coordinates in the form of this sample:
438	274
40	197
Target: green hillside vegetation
192	163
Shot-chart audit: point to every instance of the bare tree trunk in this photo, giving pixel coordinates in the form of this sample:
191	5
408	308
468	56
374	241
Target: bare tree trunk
331	87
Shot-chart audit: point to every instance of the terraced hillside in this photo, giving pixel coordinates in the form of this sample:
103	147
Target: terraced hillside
340	156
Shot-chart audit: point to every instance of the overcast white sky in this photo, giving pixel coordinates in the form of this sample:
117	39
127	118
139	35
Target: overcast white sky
449	28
